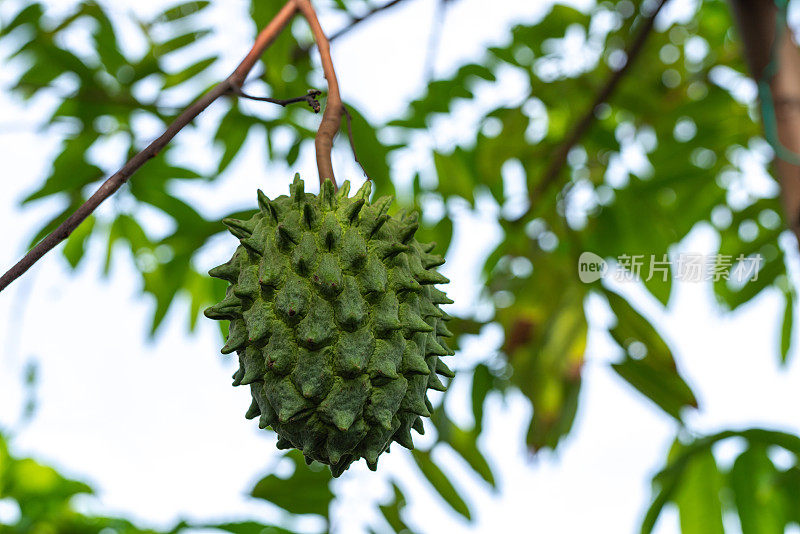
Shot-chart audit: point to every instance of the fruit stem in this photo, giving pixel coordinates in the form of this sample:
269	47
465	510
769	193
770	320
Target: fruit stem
334	109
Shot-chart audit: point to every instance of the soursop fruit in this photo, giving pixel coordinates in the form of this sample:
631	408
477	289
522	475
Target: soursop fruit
336	321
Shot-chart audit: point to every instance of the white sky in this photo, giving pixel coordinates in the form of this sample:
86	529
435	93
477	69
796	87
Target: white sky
159	431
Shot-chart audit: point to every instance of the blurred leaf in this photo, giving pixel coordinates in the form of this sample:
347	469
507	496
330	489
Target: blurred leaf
70	171
105	39
306	491
482	383
53	223
787	328
753	480
789	488
392	512
455	173
75	246
372	154
763	496
177	78
662	386
231	133
699	496
182	10
464	443
294	151
545	340
440	482
127	228
654	373
241	527
31	13
440	233
176	43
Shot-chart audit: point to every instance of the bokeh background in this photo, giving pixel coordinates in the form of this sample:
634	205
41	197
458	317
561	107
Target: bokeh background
111	376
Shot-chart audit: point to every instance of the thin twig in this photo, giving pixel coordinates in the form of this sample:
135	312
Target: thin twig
332	116
582	126
355	21
113	183
310	98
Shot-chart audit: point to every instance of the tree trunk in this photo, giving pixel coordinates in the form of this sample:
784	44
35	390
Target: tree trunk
756	23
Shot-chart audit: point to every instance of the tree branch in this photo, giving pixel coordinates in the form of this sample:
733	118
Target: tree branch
559	160
332	116
757	23
113	183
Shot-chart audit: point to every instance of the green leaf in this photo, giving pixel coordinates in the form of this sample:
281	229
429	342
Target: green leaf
176	43
76	242
456	174
231	134
699	496
482	382
126	228
787	327
305	492
492	152
440	233
440	482
753	479
789	487
294	151
545	340
241	527
53	223
372	154
105	39
662	386
30	14
171	80
70	171
466	445
182	10
392	512
654	374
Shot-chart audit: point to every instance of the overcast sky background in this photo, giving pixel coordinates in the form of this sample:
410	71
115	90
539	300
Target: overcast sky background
156	427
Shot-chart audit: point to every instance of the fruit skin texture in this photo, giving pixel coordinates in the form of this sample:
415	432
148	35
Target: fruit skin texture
335	318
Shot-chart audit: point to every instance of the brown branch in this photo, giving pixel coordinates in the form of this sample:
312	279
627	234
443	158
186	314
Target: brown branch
559	160
332	116
113	183
756	22
310	98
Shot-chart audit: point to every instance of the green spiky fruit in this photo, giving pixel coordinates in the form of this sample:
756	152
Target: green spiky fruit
335	318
